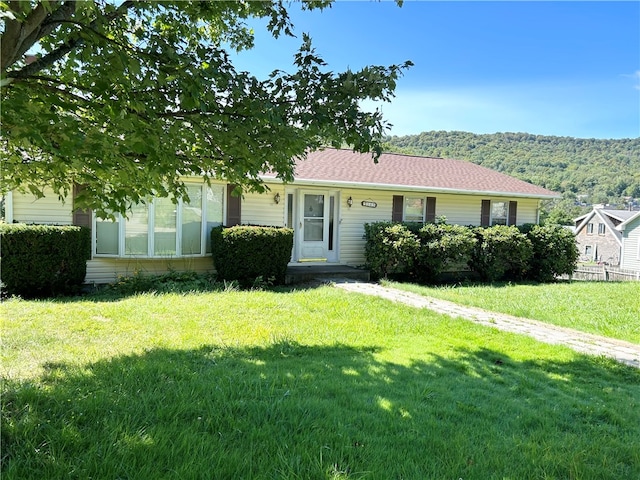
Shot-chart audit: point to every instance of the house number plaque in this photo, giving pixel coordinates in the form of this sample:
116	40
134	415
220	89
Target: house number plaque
368	203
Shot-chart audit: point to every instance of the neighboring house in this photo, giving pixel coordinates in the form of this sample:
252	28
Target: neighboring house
597	236
630	251
335	192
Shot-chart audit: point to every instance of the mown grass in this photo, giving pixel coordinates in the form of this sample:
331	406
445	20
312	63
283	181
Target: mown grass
314	383
611	309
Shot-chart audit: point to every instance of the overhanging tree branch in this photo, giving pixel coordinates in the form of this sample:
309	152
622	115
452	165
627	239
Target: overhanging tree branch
48	24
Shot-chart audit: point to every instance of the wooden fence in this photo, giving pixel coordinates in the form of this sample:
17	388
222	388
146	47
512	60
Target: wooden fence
604	273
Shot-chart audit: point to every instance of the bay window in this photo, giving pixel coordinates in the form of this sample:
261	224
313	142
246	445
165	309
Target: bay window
162	228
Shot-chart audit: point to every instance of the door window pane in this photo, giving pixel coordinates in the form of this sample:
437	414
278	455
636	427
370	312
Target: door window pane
314	205
192	222
107	236
313	229
332	206
290	210
136	234
313	218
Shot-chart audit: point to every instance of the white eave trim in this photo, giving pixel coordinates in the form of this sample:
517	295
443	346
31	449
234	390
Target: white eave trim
624	224
409	188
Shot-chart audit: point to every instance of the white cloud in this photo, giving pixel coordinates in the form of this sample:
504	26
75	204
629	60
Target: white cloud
635	76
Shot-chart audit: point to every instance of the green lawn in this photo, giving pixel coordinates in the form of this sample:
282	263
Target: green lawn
306	384
611	309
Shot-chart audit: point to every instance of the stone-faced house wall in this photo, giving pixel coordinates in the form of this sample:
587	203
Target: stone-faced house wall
597	242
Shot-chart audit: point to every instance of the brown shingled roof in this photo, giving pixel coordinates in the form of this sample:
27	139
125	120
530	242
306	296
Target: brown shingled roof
396	170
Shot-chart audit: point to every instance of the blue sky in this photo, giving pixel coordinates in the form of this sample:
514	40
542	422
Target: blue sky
546	68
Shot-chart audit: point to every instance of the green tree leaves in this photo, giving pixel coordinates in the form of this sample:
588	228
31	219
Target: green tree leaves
129	98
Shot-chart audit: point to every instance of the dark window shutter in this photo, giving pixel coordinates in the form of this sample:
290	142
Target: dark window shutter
513	213
431	210
81	218
397	209
485	213
233	207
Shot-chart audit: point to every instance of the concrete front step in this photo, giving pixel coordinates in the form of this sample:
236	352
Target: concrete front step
308	273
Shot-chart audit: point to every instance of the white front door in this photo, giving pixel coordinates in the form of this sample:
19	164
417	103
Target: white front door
317	226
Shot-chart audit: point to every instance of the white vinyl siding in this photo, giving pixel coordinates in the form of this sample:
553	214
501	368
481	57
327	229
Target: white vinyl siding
47	210
106	270
631	246
261	208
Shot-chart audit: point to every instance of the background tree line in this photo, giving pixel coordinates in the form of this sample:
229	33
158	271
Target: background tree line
585	171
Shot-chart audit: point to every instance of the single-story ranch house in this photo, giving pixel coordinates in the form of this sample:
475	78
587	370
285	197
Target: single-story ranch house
335	192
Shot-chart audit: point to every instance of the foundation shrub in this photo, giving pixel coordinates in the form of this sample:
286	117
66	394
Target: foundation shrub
390	249
501	253
244	253
555	252
43	260
442	247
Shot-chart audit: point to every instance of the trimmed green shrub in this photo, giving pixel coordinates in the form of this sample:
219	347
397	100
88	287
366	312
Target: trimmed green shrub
390	249
43	260
441	247
427	253
554	252
501	253
244	253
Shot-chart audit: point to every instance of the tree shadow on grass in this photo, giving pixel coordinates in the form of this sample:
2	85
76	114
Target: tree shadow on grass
295	411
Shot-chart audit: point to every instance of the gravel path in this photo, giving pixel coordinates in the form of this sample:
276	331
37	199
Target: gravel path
624	352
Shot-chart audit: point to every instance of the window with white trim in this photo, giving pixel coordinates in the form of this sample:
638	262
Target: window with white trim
494	212
601	229
161	228
499	213
590	228
414	209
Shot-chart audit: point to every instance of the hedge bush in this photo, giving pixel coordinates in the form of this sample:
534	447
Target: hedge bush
501	253
425	252
554	252
245	253
43	260
442	247
390	249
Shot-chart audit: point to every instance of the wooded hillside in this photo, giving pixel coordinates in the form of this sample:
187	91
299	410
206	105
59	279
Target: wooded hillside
583	170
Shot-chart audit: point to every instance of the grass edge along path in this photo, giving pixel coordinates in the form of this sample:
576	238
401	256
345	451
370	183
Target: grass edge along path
624	352
609	309
302	384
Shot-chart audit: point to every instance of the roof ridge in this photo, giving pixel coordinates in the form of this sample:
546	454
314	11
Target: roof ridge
411	155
